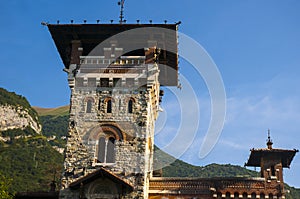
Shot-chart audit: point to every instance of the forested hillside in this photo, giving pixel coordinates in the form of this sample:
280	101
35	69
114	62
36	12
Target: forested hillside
30	162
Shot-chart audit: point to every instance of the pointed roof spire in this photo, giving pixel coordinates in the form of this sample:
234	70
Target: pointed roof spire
269	141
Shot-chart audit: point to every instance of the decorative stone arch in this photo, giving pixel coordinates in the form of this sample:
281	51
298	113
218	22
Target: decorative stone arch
101	183
108	98
130	98
102	139
105	130
102	188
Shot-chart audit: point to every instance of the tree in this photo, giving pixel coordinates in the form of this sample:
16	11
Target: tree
5	184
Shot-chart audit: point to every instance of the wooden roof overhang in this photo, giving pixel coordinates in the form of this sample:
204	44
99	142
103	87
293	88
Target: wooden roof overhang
91	35
101	173
286	156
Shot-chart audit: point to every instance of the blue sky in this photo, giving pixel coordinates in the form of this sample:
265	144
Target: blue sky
255	44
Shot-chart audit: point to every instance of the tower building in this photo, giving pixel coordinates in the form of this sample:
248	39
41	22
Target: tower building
114	72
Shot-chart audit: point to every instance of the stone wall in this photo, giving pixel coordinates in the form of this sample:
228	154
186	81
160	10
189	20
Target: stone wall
101	117
133	131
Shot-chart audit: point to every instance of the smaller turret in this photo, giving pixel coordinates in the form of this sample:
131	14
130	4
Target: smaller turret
271	162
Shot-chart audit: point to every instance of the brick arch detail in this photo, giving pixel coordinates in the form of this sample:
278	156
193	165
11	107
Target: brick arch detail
88	99
130	98
108	98
106	129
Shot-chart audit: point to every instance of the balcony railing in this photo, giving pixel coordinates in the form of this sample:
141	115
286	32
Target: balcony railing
205	184
120	62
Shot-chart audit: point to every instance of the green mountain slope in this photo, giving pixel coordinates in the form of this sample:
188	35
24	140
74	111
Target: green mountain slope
30	162
59	111
55	124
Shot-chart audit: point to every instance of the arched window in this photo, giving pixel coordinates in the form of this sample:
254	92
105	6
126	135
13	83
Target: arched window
219	195
245	195
108	106
227	195
106	150
279	196
89	106
253	195
130	106
270	196
262	196
236	195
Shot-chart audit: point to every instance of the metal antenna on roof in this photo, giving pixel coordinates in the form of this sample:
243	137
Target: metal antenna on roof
121	3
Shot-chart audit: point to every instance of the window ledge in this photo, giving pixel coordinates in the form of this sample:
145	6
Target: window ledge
103	164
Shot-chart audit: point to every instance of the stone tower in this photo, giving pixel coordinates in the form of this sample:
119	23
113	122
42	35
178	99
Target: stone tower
114	72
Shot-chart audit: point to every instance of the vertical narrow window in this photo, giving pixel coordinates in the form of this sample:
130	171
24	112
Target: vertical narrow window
227	195
120	104
99	104
89	106
236	195
101	150
108	108
272	170
110	155
130	106
253	196
262	196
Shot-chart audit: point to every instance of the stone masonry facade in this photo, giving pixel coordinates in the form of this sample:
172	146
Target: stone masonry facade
119	116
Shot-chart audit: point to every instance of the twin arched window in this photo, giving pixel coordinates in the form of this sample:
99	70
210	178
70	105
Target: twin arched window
106	150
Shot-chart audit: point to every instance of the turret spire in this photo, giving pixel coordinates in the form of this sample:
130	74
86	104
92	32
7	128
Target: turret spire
269	141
